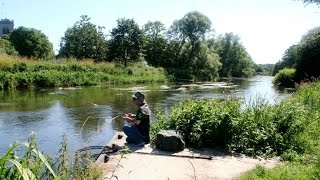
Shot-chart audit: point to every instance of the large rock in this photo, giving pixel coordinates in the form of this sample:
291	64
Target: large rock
169	140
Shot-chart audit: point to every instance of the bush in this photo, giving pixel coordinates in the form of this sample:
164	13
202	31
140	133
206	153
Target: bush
270	130
254	133
205	123
285	78
261	129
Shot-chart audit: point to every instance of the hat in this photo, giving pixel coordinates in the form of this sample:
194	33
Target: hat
139	96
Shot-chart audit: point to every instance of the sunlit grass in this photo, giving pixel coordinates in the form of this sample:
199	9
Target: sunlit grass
16	73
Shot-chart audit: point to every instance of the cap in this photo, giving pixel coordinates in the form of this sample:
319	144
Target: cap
140	96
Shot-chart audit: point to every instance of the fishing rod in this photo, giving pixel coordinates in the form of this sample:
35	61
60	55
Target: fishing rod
62	94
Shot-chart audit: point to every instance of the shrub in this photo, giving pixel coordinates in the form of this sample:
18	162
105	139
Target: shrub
205	123
254	133
285	78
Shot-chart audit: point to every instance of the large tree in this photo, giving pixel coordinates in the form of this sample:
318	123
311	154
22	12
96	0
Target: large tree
236	61
32	43
308	62
155	43
192	29
84	40
289	59
126	42
190	54
205	64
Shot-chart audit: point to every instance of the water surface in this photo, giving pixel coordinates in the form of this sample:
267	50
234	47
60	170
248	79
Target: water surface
85	114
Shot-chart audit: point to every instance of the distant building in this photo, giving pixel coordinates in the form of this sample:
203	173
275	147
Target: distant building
6	26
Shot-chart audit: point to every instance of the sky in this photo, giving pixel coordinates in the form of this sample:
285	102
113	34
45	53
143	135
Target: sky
266	27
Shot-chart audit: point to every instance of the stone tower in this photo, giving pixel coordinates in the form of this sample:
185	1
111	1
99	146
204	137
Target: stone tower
6	26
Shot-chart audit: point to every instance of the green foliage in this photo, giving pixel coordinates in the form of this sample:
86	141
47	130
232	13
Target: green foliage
234	58
6	47
126	42
84	40
204	123
189	54
309	50
289	59
285	78
304	57
205	64
264	69
30	166
34	165
192	29
160	123
155	46
290	128
31	43
284	171
21	73
270	130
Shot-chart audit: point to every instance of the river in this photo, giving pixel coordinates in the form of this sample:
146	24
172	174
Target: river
85	114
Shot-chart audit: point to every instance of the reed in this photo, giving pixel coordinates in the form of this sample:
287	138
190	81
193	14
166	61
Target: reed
32	164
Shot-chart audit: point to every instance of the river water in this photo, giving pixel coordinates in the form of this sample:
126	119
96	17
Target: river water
85	114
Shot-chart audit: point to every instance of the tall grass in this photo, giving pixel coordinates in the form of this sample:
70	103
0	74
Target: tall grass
34	165
16	72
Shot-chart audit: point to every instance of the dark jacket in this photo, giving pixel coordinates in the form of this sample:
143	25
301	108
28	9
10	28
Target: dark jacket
143	114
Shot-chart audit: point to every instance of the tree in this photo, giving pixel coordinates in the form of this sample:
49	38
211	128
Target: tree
235	60
155	43
6	47
308	62
289	59
205	63
192	28
31	43
126	42
264	69
190	54
84	40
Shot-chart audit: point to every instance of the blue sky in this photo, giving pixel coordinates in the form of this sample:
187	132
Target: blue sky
266	27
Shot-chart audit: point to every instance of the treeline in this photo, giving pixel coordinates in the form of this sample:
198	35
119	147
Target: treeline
300	62
188	49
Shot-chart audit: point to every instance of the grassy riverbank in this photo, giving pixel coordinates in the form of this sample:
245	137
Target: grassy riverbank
304	164
16	72
290	129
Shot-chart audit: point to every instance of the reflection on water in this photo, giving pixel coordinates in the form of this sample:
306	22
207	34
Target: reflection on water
50	115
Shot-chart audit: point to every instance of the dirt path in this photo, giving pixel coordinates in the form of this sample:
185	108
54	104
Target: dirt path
151	164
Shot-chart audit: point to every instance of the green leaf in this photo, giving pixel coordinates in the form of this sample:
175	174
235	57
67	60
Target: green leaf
42	158
21	170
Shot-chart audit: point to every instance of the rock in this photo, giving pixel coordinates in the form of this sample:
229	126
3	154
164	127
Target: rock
169	140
